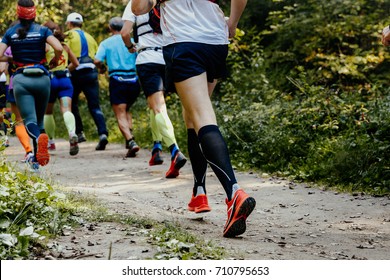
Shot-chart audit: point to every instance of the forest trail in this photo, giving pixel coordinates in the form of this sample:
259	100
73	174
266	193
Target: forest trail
290	222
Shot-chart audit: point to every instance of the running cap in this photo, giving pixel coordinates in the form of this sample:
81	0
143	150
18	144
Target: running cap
74	17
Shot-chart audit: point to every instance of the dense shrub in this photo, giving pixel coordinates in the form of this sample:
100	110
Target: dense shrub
29	211
316	133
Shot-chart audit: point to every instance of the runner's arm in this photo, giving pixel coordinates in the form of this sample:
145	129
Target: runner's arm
57	46
4	58
72	58
236	9
386	36
100	65
140	7
3	67
126	35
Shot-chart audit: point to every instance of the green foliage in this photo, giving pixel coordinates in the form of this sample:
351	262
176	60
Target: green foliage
96	13
314	134
28	211
336	41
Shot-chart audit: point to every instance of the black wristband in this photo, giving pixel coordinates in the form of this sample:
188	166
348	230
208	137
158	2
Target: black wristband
132	46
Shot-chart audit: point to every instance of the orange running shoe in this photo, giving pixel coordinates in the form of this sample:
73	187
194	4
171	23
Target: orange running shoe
177	162
199	204
238	209
43	155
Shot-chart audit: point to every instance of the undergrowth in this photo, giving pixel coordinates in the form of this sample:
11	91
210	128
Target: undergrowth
338	138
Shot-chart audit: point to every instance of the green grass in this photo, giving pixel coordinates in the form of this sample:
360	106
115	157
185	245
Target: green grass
176	243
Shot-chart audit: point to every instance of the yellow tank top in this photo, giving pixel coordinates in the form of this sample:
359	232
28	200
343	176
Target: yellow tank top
62	62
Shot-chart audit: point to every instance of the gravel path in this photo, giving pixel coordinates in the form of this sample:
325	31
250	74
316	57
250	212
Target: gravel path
290	222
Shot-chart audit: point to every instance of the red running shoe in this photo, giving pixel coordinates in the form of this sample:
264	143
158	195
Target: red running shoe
43	155
199	204
156	158
177	162
51	146
238	209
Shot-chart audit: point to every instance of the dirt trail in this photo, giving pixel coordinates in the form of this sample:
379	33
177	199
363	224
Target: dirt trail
291	221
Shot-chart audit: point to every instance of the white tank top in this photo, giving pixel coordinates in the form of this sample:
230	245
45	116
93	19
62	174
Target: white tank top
199	21
150	40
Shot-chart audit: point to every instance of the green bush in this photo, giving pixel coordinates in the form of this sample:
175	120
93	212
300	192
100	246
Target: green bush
337	42
316	133
29	211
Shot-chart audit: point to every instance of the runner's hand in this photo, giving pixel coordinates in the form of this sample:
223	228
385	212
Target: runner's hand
232	28
102	69
132	48
54	62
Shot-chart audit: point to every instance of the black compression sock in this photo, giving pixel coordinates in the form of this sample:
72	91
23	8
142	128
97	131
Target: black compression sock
198	161
215	150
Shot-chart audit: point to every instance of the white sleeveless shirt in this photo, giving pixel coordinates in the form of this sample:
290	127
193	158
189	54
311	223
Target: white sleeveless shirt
199	21
150	40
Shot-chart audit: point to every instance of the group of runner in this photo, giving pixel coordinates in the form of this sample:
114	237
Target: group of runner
77	71
186	54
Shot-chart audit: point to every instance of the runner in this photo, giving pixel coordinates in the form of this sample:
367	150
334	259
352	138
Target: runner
195	47
151	70
18	125
61	88
124	86
31	82
85	78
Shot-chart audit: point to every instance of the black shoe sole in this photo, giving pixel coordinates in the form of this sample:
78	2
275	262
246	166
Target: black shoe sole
132	152
239	226
74	151
101	145
180	163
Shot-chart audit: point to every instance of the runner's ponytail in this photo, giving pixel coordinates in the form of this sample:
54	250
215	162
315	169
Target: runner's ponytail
26	13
